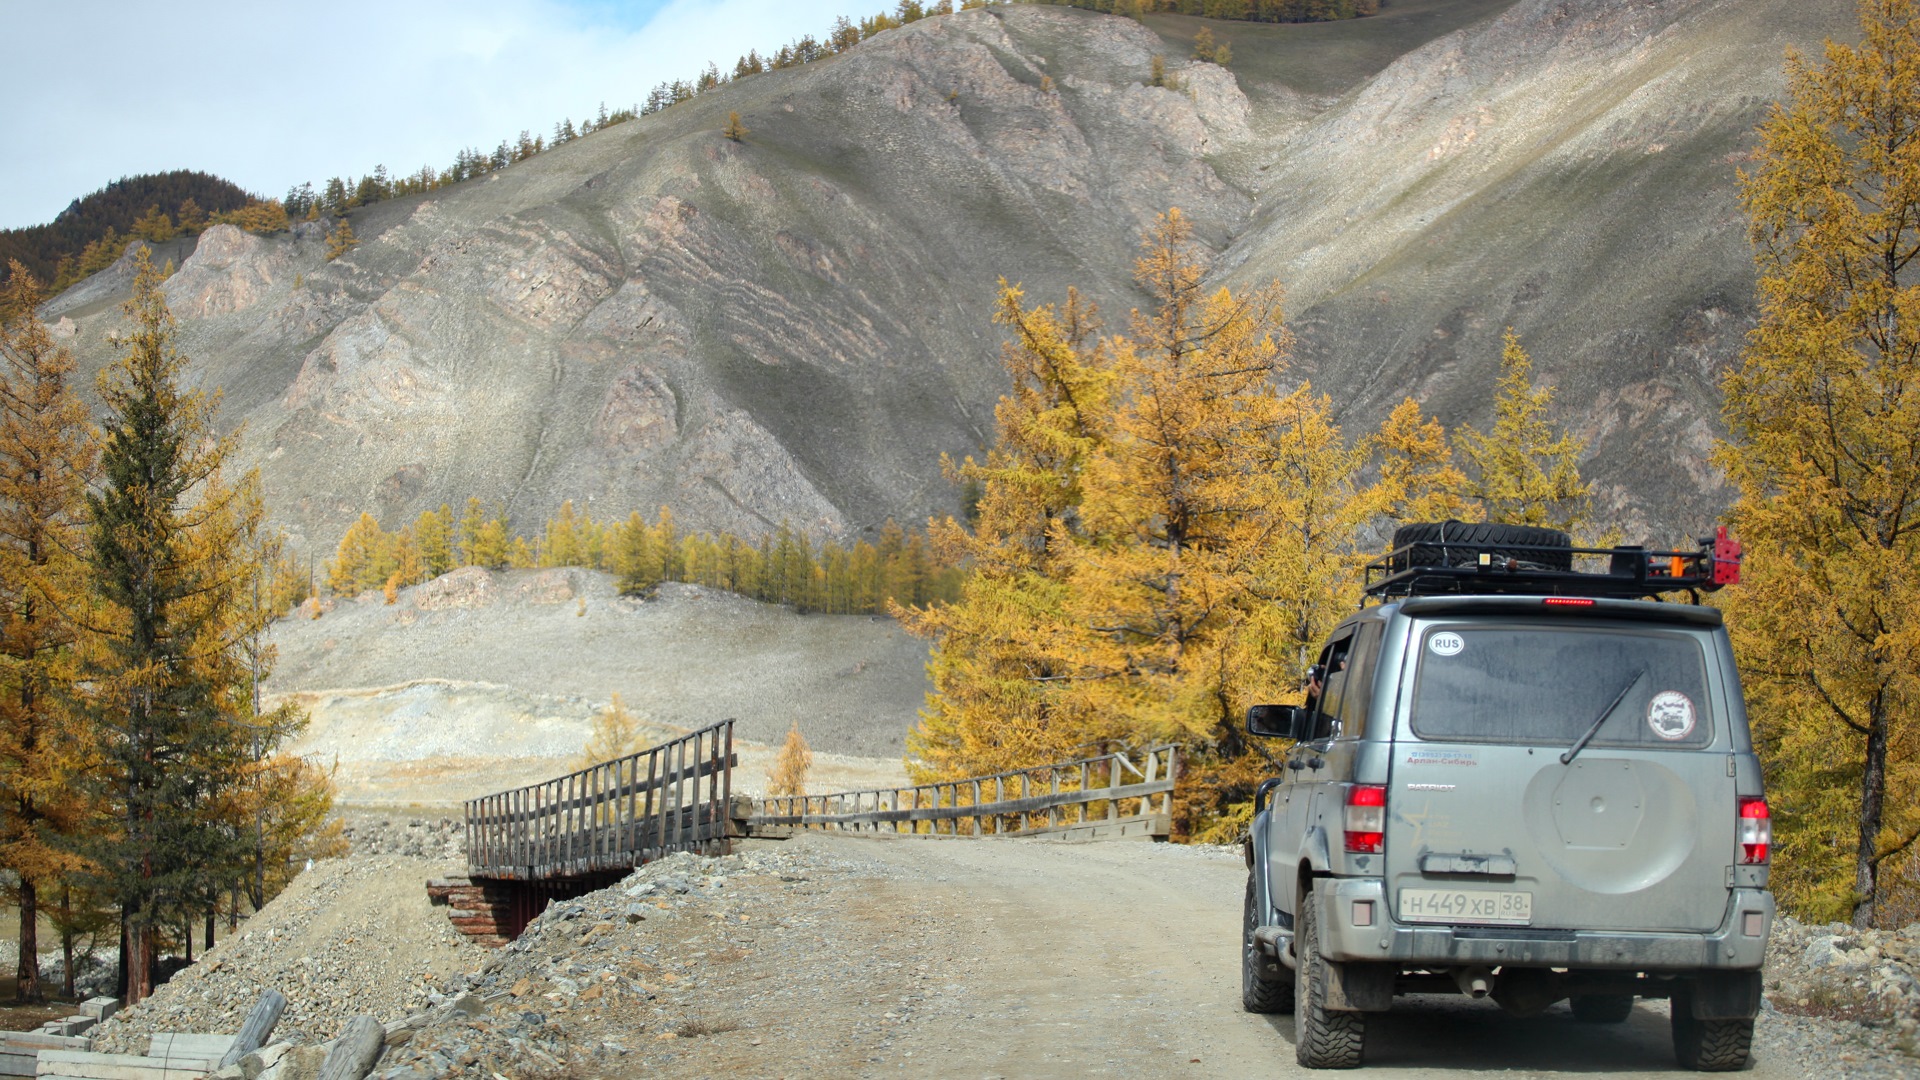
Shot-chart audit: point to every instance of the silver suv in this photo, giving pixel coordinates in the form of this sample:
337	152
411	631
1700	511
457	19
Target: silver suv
1516	776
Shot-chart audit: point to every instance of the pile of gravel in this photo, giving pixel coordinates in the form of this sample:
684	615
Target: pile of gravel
616	973
350	936
440	839
1854	995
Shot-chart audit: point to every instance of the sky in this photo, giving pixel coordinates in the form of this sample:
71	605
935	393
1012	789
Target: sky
271	94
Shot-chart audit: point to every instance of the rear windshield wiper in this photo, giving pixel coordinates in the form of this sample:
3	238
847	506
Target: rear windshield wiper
1574	751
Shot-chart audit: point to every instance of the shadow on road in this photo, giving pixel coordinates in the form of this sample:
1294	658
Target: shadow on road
1453	1034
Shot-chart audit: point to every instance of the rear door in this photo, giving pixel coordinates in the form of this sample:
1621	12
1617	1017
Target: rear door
1487	825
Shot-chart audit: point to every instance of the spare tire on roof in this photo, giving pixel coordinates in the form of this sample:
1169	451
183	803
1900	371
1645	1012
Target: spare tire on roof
1535	547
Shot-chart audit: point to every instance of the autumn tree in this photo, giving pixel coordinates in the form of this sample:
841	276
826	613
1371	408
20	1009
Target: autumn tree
1523	471
1160	533
341	240
433	531
171	579
47	458
734	130
788	775
1203	45
1220	518
993	705
363	559
1824	415
1418	477
616	733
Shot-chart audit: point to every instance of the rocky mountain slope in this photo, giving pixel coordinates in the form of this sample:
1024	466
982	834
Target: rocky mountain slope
795	326
479	681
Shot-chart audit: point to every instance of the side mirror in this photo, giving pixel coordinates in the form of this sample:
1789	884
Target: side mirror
1275	721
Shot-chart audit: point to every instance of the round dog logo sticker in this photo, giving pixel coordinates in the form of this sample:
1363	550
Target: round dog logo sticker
1446	643
1670	715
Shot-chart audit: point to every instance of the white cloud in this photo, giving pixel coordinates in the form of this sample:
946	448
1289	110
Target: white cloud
269	95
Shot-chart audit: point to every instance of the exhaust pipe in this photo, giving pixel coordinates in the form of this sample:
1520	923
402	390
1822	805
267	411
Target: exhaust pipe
1475	982
1277	942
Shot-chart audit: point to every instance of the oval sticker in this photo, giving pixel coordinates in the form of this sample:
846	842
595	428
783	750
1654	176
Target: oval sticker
1446	643
1670	715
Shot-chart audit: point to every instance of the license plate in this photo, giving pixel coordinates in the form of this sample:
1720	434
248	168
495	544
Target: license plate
1466	906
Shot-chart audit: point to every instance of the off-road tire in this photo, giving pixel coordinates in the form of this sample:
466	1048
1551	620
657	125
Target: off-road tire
1466	542
1601	1008
1261	990
1709	1045
1323	1038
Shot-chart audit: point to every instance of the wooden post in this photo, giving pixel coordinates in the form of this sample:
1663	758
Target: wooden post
976	808
355	1051
255	1028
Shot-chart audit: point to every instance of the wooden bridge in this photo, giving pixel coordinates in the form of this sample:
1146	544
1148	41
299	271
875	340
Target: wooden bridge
585	830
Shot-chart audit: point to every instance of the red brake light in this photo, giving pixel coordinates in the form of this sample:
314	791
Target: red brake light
1568	601
1366	824
1755	832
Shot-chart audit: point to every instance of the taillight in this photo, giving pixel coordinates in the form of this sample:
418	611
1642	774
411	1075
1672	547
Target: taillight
1756	831
1366	819
1568	601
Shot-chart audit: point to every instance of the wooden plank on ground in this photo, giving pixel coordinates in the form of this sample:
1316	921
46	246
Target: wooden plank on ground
32	1041
90	1066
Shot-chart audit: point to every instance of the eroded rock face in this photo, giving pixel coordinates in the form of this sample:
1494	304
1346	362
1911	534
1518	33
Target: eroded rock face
796	326
229	271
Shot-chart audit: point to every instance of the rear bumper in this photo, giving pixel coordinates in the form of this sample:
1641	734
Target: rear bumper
1728	948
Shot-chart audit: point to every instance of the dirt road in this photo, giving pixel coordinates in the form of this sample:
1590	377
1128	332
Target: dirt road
1052	960
837	956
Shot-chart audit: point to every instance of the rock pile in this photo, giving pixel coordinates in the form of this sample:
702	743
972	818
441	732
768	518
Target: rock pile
350	936
598	977
441	839
1866	975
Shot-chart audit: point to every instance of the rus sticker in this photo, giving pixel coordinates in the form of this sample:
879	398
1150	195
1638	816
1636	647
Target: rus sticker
1670	715
1446	643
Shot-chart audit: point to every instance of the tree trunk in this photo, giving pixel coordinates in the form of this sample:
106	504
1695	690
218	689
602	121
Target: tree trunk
28	969
213	913
139	950
1873	793
66	938
120	978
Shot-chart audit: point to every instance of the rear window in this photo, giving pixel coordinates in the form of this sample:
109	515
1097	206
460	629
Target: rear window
1549	684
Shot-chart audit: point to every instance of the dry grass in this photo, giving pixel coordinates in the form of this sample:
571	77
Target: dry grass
697	1026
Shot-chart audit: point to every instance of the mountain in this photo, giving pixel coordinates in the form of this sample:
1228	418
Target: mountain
117	206
796	325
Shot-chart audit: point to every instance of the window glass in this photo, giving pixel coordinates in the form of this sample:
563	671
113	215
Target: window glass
1548	685
1333	680
1357	693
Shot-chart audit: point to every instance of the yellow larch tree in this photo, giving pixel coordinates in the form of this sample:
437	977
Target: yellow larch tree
1173	507
993	706
1419	479
616	732
1523	471
1824	415
788	775
47	456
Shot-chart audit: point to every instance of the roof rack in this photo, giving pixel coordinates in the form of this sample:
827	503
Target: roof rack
1461	568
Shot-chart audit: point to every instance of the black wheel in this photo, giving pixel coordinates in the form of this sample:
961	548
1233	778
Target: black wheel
1265	986
1601	1008
1323	1038
1709	1045
1545	549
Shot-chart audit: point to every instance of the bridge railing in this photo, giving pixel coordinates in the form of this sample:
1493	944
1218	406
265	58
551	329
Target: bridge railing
609	817
1125	793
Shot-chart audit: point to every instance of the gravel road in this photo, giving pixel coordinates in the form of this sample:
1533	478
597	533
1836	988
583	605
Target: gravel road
839	956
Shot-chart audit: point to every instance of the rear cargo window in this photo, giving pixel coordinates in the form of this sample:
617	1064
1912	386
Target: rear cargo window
1548	685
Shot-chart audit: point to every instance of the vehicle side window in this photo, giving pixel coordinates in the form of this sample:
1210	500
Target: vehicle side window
1357	693
1327	704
